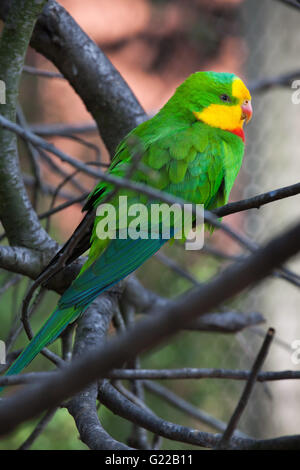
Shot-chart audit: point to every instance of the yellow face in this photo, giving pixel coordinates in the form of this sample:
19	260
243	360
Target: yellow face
229	116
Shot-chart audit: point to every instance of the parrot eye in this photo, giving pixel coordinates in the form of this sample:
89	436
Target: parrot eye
225	98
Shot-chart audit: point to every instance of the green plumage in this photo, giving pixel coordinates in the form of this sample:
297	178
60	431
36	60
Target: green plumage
181	156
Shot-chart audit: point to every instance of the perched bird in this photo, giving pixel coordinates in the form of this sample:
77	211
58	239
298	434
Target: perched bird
193	149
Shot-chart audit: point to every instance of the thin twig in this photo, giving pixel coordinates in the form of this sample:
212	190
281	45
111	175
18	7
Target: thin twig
171	264
161	374
256	202
187	407
13	280
49	130
233	422
284	80
38	429
34	159
42	73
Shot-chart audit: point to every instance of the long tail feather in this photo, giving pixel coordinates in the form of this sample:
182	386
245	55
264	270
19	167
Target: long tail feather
56	323
120	259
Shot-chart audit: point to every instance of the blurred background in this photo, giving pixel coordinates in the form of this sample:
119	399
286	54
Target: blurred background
156	44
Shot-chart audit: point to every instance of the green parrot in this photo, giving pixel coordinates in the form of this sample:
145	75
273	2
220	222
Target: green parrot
193	149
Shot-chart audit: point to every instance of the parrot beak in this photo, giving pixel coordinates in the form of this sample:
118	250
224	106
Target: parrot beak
246	111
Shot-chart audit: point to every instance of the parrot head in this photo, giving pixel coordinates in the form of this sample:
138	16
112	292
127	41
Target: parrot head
220	100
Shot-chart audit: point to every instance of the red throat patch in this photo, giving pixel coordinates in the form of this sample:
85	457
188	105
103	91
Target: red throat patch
239	132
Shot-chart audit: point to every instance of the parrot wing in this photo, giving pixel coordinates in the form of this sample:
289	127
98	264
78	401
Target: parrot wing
190	165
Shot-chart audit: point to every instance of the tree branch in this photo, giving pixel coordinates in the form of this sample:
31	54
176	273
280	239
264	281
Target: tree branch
49	130
284	80
256	202
125	408
161	374
186	407
22	260
42	73
38	429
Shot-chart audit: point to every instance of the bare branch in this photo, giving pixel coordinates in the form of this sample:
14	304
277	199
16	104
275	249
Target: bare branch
161	374
176	268
34	159
196	373
42	73
31	262
233	422
257	201
38	429
23	379
49	130
226	322
284	80
12	280
22	260
121	406
47	188
187	408
63	206
128	410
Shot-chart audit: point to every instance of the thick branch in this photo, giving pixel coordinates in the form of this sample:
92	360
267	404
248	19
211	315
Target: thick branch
30	263
22	260
121	406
